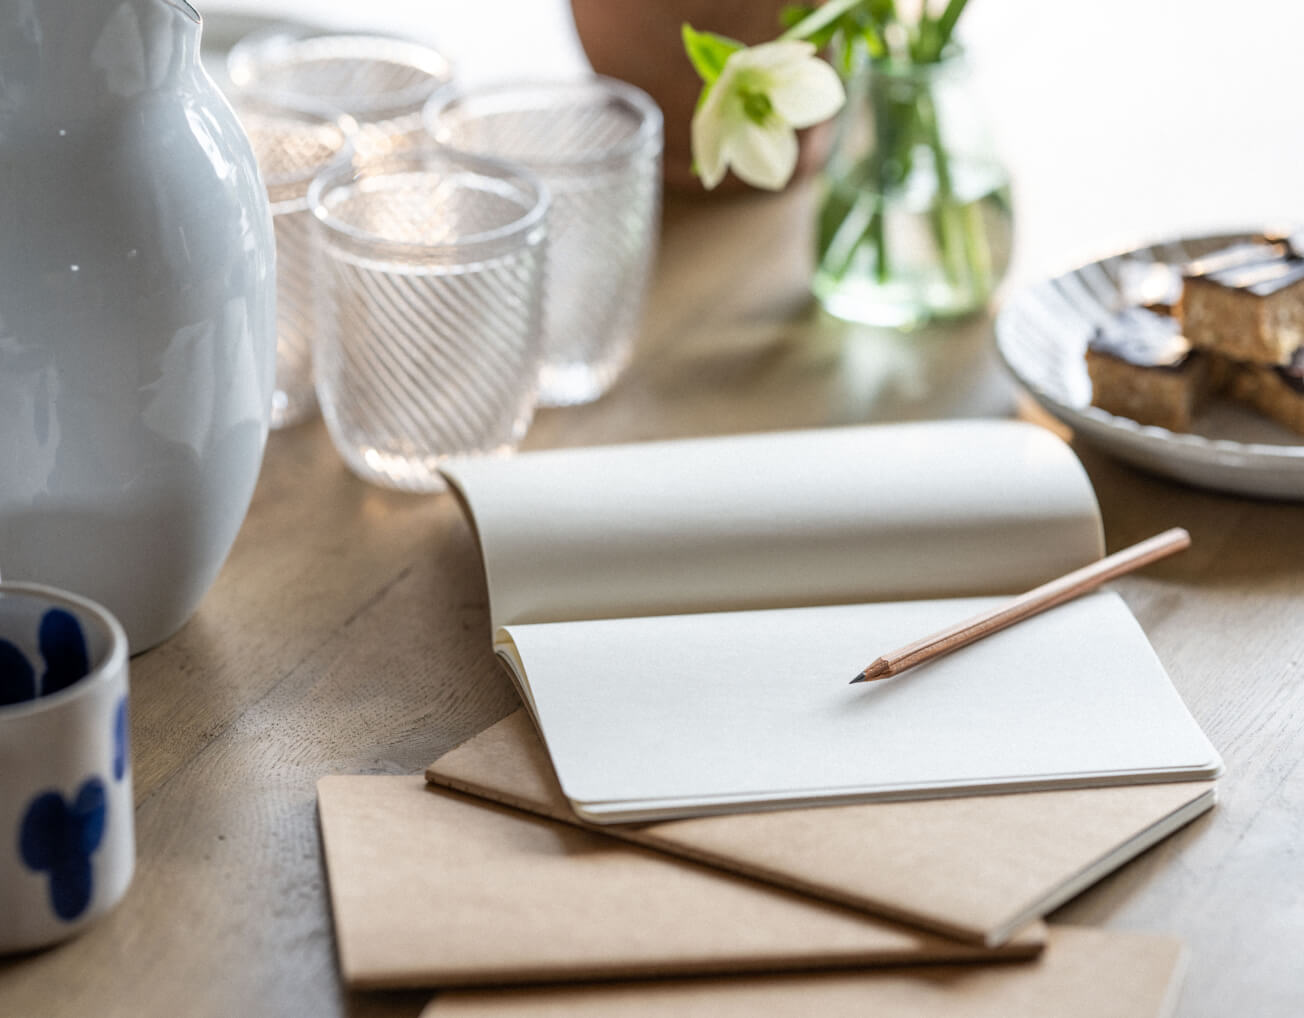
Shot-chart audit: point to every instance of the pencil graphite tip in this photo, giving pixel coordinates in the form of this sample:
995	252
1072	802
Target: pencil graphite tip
875	671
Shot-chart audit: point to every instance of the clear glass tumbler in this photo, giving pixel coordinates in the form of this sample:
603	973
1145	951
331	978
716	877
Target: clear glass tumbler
596	143
380	81
293	144
430	293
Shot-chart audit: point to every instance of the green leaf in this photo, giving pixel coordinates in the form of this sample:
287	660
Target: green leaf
708	52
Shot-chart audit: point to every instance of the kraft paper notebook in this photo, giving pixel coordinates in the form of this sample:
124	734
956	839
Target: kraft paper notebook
1083	973
431	888
682	619
977	868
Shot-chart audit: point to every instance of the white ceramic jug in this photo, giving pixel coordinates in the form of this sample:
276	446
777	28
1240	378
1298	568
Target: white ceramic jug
137	342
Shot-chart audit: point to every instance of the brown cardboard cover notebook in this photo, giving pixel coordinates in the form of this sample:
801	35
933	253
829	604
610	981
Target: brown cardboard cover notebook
1083	973
432	888
976	868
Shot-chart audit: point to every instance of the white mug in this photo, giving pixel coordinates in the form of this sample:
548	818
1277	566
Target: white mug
67	840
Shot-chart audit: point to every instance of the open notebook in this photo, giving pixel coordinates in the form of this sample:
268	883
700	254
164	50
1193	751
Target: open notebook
682	619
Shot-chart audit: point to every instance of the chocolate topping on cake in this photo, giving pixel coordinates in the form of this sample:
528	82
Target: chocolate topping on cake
1237	256
1292	373
1156	285
1143	338
1293	239
1264	279
1260	268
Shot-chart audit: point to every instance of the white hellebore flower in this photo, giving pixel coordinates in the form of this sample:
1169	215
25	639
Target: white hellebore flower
749	116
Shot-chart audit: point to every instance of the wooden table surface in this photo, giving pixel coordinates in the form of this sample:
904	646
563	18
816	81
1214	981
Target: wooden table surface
348	633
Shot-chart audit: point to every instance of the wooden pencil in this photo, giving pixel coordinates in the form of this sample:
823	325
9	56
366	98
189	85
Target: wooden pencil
1038	599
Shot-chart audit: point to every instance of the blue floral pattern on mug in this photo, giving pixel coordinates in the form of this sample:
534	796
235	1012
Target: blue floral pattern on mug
59	839
17	676
121	740
63	647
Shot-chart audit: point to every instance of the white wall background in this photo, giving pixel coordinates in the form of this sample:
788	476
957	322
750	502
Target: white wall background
1122	120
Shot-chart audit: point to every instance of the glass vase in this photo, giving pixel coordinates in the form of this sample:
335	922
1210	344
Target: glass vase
914	221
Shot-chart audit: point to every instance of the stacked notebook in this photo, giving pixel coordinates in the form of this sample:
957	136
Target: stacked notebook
693	787
976	869
1083	974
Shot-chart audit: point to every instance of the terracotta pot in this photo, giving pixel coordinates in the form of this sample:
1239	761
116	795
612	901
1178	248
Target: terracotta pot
640	42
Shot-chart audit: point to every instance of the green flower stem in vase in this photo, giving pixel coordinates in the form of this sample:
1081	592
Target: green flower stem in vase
914	222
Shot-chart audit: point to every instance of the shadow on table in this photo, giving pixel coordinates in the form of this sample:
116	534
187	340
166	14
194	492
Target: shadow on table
386	1003
1236	540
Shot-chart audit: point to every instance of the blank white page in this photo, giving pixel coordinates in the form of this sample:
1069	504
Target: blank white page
690	714
825	516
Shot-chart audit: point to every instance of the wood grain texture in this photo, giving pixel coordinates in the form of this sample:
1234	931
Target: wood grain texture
348	633
1227	618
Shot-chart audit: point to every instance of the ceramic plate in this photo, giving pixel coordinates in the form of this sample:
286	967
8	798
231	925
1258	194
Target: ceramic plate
1042	334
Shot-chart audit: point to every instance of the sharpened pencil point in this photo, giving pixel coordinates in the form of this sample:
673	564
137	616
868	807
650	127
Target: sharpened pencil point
879	669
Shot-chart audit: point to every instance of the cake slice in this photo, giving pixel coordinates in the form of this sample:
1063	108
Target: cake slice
1246	302
1143	367
1276	391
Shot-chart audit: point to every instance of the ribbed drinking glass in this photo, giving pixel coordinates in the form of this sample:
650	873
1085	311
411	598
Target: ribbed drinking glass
429	286
596	143
380	81
293	144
